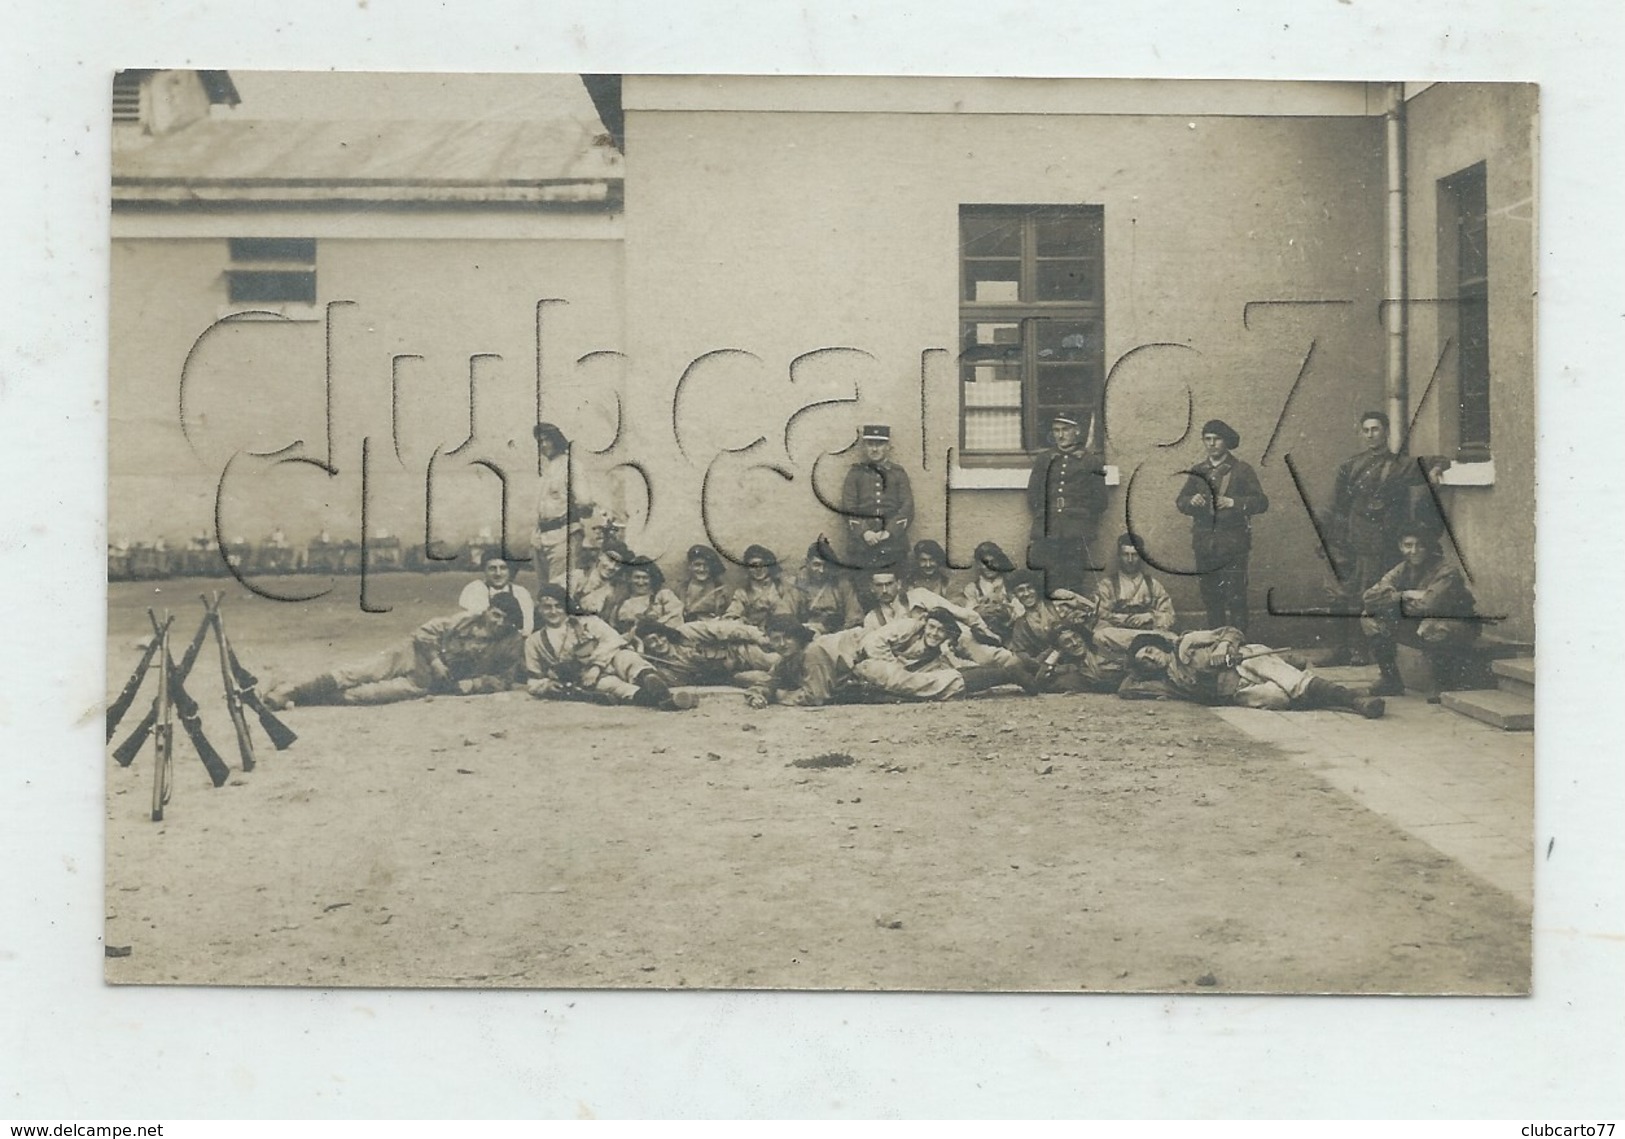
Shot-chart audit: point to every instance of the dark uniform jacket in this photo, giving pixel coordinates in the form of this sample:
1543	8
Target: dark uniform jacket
1069	485
1222	533
469	650
877	496
1444	591
1371	501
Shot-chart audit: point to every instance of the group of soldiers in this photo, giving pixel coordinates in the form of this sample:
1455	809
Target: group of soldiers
884	619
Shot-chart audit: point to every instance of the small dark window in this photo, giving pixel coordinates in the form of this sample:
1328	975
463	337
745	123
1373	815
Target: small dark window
272	270
127	97
1031	334
1464	277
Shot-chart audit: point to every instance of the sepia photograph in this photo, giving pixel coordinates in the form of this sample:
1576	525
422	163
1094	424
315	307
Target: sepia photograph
619	531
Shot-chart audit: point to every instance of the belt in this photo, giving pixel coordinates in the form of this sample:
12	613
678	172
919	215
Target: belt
549	524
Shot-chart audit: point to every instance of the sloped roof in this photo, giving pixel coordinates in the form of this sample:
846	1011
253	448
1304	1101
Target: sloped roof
269	161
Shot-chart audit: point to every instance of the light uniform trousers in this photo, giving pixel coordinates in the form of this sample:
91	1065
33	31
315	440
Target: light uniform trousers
621	668
550	555
1112	642
1268	681
383	679
894	679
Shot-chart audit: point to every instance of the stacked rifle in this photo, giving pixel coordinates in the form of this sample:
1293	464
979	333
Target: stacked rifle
173	701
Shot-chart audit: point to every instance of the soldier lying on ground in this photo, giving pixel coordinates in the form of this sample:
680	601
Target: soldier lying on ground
977	642
465	654
914	658
1214	666
1070	663
720	651
1032	633
582	658
918	658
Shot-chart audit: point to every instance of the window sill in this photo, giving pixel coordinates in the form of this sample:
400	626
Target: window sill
1006	476
1476	473
271	311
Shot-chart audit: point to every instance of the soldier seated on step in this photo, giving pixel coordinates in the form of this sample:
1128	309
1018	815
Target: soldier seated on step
1423	602
1214	666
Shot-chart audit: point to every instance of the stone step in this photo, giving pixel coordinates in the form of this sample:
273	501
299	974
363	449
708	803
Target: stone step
1504	710
1515	675
1500	648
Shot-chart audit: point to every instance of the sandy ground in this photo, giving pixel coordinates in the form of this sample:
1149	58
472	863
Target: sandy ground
1008	843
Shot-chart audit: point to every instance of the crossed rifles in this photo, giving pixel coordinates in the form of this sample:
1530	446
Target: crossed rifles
173	701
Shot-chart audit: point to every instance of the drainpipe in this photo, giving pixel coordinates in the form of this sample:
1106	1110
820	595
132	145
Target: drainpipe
1396	284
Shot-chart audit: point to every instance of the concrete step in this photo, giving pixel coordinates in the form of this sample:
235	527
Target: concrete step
1504	710
1515	675
1500	648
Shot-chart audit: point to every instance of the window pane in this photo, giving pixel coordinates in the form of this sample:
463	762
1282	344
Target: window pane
1068	235
984	340
992	282
1066	280
1474	372
992	430
301	249
244	285
1064	340
1064	385
989	235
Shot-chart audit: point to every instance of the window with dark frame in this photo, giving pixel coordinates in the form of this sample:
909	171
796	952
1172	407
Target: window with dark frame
1031	312
1464	278
127	97
272	270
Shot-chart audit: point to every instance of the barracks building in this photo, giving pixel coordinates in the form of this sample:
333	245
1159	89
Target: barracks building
351	324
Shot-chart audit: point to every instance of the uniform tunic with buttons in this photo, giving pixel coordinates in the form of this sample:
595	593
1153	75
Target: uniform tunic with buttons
1066	494
878	497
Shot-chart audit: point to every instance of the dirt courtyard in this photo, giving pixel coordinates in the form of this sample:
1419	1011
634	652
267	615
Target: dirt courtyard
1000	843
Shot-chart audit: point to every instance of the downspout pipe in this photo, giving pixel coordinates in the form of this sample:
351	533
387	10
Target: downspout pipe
1397	285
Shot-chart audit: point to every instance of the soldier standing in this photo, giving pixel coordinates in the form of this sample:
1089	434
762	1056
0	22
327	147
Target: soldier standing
1221	494
1066	495
878	503
1371	504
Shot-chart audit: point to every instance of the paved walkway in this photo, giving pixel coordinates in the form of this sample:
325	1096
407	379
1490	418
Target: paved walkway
1464	788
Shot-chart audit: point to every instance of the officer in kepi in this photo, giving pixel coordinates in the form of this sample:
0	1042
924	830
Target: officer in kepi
877	501
1066	495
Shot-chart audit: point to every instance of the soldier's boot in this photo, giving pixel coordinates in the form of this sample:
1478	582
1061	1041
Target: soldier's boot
323	689
1029	676
1348	646
1324	694
981	677
1390	683
653	692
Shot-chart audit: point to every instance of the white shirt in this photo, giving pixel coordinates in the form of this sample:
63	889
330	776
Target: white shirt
476	598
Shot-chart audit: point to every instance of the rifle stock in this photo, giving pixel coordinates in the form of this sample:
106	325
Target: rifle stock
187	709
116	710
282	736
234	701
126	752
